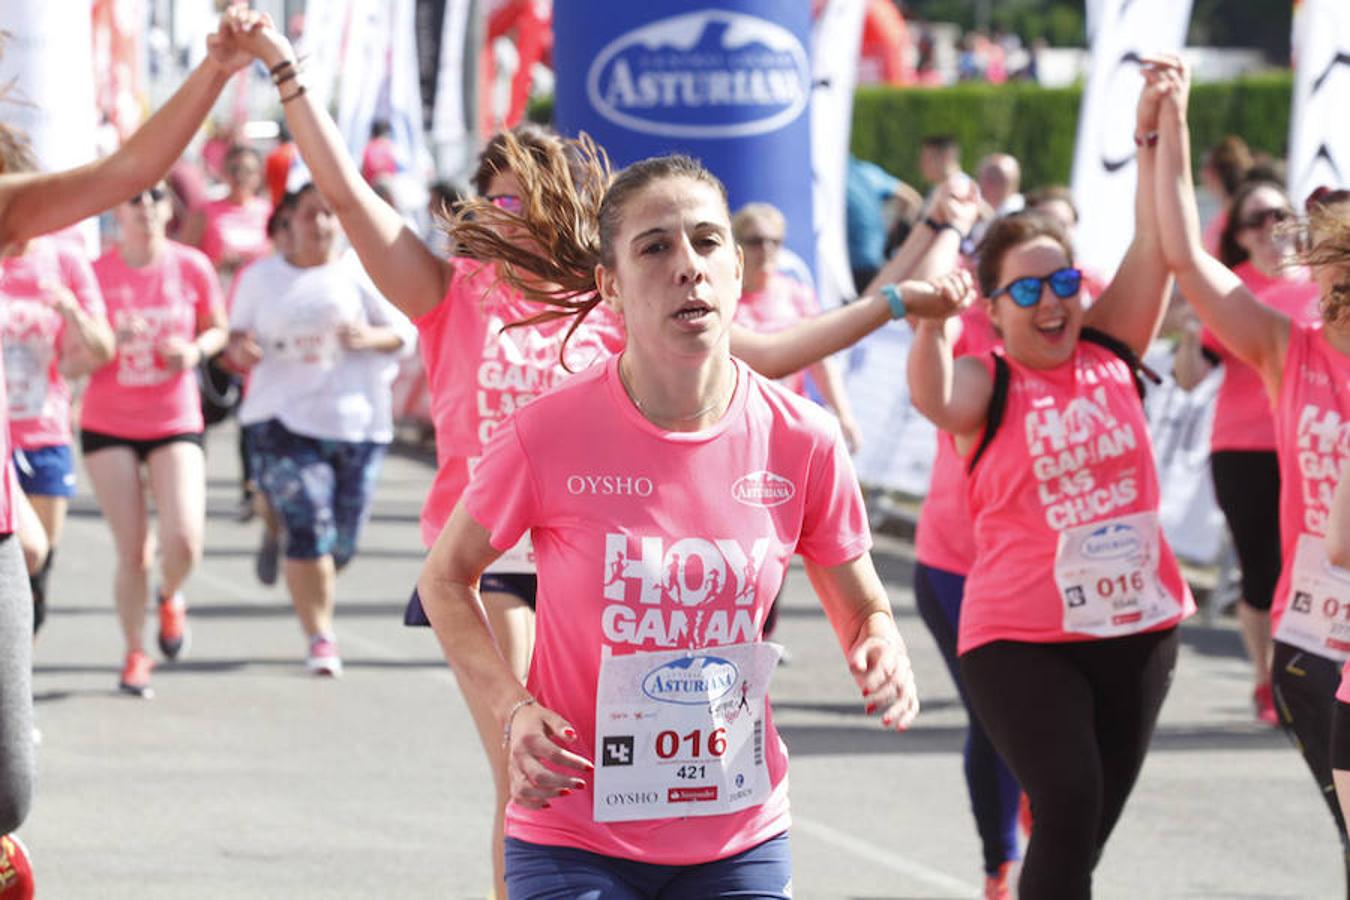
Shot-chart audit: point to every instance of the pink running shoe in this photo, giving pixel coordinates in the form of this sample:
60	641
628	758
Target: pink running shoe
136	675
323	658
1264	699
173	627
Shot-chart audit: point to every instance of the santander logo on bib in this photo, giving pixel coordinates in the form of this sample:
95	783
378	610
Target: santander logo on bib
704	74
692	681
763	488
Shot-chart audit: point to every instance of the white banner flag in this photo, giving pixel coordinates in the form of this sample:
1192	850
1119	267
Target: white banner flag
836	35
1319	130
1103	166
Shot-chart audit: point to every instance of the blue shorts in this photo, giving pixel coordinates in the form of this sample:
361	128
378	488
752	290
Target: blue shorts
46	471
541	872
320	489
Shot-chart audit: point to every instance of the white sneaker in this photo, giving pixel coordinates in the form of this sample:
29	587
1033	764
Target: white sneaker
323	658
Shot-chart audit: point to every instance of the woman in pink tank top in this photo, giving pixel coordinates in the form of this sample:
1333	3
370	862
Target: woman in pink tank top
477	372
1305	371
38	203
1068	628
1256	246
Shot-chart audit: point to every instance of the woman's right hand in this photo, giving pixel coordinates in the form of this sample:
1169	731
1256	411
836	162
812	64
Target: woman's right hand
224	47
536	754
942	297
264	42
243	353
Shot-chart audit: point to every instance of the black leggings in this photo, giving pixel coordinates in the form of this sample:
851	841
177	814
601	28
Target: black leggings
1305	695
1073	721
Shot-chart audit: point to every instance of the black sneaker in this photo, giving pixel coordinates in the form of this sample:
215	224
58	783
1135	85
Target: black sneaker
267	562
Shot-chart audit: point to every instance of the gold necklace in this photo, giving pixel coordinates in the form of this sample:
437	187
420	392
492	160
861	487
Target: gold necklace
653	417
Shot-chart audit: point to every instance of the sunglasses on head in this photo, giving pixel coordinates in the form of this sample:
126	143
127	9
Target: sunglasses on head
1026	292
1263	217
508	202
155	194
760	240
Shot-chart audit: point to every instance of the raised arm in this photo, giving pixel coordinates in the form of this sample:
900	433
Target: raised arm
1252	331
953	394
860	613
538	766
412	277
1132	306
926	254
40	202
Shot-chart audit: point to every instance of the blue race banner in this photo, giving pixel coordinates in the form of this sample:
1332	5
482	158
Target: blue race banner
727	81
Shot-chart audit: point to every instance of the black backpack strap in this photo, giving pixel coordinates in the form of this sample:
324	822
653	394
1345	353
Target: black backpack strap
998	403
1211	357
1138	371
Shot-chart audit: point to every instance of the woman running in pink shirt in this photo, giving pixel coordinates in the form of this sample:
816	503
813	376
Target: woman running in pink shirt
665	491
1242	458
1305	371
1068	625
142	411
54	328
478	374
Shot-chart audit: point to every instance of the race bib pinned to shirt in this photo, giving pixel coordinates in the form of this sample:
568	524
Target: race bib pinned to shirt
681	732
1107	573
1317	618
26	377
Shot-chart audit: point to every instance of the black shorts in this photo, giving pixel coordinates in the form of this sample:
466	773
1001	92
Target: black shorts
1247	487
94	441
519	585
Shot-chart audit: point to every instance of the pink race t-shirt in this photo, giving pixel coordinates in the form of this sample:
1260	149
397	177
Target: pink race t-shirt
1070	465
943	538
135	396
235	231
1313	441
33	332
1242	416
652	540
478	374
780	304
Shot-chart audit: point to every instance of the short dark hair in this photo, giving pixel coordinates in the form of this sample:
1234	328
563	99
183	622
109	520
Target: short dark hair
942	143
381	128
1231	253
1012	231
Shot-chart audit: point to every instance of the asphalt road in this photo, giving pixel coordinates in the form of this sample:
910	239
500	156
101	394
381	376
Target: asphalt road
245	777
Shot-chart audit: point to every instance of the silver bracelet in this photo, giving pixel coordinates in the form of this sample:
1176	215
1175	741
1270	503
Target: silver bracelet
511	717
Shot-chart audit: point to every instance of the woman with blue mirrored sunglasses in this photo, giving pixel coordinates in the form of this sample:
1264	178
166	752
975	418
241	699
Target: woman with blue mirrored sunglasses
1068	630
1026	292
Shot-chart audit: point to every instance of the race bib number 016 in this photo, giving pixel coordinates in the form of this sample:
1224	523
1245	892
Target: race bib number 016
1107	574
1317	618
681	733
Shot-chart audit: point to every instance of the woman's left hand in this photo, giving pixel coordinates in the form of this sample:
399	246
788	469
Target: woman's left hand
939	298
355	336
880	666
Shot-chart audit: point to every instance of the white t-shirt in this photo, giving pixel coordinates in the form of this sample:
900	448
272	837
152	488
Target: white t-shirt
306	378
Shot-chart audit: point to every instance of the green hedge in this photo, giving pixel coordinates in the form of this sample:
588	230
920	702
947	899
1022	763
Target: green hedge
1039	125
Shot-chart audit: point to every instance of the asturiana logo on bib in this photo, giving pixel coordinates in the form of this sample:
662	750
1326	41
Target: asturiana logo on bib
704	74
692	681
763	488
1116	541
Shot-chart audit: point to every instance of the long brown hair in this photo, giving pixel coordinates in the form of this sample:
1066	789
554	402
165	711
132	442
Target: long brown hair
1231	253
571	213
1329	228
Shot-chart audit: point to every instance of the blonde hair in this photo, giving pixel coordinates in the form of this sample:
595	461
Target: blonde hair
750	213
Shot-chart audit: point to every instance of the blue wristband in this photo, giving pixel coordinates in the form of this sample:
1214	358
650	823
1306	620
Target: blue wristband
894	299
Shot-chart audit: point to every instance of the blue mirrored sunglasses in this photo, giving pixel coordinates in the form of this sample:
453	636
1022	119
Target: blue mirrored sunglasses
1026	292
